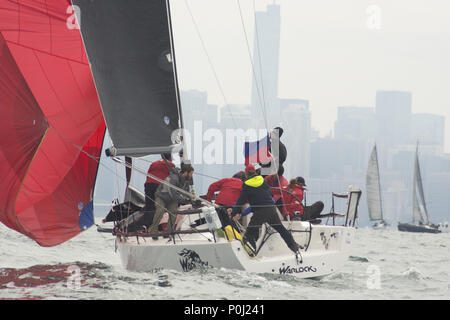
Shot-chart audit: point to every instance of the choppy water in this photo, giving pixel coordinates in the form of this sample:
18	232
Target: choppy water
384	264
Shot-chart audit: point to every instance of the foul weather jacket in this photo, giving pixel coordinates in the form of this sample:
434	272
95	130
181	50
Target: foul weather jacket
160	170
273	182
169	194
292	203
256	191
229	190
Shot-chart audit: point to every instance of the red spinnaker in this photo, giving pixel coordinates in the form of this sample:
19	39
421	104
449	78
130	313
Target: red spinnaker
49	109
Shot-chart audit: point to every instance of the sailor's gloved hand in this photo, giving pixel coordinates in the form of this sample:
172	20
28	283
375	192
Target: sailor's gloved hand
196	203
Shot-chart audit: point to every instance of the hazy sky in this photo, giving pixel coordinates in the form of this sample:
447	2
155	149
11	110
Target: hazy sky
332	52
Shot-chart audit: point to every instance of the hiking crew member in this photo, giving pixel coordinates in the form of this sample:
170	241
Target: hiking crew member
292	201
307	212
159	169
168	199
257	192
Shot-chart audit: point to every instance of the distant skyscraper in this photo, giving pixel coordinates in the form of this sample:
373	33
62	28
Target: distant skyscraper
393	114
266	51
195	107
355	123
296	124
198	117
428	129
235	116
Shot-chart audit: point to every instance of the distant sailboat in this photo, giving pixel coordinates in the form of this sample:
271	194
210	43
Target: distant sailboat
373	191
418	224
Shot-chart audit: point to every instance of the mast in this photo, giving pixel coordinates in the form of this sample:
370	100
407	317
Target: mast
175	75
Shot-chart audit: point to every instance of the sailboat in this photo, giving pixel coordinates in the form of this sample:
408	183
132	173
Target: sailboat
418	224
373	191
118	69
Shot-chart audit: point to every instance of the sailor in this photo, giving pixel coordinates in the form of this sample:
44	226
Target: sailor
229	190
168	198
185	162
307	213
161	170
257	192
293	200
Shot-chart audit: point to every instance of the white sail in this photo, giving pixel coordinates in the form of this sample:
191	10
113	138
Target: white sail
373	187
417	215
418	184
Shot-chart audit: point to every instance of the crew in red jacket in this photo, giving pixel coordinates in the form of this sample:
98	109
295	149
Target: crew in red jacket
275	181
229	190
159	169
295	208
292	200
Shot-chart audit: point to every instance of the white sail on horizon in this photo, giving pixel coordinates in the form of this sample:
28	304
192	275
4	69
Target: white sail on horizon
373	187
418	189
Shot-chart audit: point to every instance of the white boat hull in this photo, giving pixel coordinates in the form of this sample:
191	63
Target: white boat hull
327	252
380	226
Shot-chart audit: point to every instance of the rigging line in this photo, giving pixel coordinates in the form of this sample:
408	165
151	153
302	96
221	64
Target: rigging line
174	65
136	169
97	159
196	173
259	55
207	176
210	62
184	192
251	62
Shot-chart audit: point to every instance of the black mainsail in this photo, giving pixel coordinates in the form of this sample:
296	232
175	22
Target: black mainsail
130	49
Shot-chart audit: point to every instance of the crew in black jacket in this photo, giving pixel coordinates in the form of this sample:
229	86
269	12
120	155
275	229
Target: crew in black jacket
257	192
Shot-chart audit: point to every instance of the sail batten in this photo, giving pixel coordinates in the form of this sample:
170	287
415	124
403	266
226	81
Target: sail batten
130	49
373	187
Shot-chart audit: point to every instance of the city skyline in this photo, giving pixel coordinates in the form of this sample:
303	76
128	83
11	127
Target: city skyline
352	119
329	55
